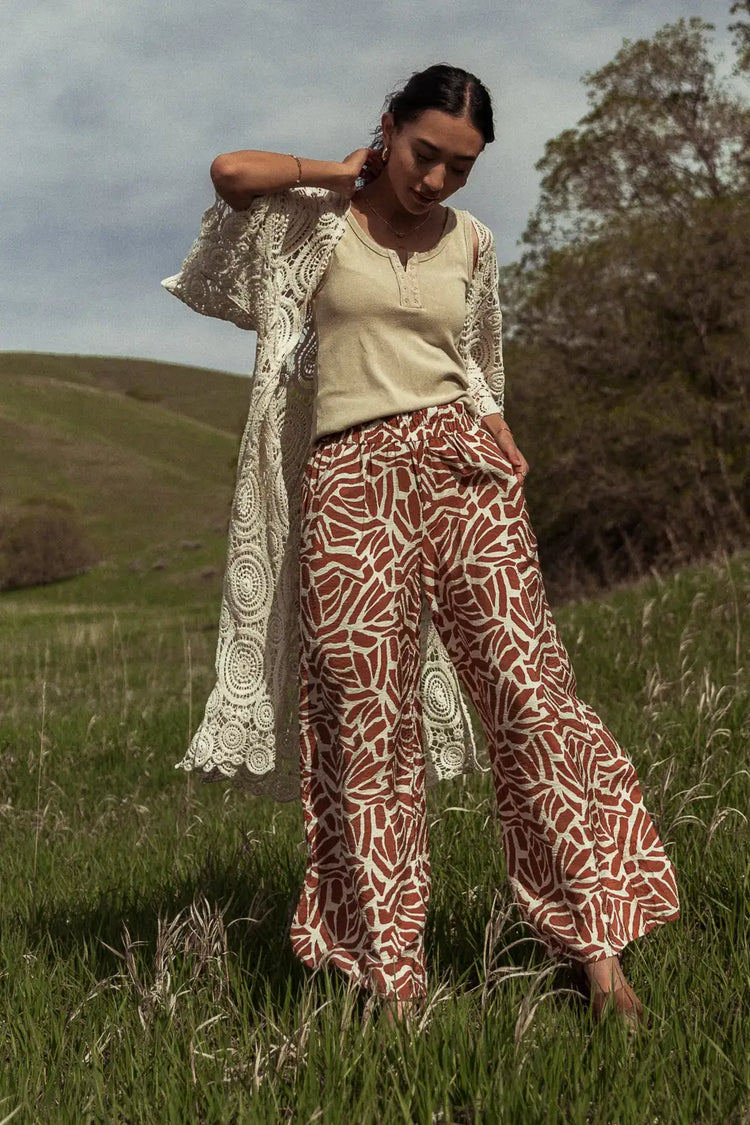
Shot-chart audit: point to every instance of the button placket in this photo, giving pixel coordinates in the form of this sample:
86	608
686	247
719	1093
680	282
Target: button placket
408	281
413	281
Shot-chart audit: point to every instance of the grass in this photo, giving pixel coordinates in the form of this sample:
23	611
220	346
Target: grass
145	451
145	972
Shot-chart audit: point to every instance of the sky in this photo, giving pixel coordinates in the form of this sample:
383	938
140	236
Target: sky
114	109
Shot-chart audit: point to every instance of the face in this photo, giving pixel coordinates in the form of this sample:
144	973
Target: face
430	158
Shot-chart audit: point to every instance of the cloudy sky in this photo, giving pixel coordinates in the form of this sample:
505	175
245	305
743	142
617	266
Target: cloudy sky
114	109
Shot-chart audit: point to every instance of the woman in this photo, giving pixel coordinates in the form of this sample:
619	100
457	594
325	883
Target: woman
380	545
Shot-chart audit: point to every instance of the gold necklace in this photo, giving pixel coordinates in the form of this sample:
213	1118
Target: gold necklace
383	219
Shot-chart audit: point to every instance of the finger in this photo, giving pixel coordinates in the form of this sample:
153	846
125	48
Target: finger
518	461
359	157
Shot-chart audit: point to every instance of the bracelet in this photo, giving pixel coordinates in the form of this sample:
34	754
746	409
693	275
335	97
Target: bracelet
299	166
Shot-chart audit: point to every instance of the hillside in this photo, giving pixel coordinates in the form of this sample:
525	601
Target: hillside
214	397
145	451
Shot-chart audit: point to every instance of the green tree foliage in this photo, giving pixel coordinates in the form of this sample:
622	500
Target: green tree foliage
630	315
663	131
741	31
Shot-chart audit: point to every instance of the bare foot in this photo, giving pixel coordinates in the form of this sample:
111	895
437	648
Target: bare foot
400	1011
609	989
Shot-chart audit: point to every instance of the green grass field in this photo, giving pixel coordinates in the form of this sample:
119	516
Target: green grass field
146	974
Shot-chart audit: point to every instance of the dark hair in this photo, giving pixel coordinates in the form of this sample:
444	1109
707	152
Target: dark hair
448	88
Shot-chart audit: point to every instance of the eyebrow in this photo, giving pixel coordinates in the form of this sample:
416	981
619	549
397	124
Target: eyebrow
434	148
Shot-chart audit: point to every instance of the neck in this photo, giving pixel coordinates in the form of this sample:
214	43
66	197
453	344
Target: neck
381	194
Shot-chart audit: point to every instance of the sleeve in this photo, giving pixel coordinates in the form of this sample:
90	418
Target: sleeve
485	343
223	271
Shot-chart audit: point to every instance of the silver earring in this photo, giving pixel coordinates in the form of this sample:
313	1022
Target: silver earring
385	155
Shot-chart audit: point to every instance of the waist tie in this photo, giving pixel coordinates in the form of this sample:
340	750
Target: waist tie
406	427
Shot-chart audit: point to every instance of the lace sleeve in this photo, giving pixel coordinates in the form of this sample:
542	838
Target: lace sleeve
484	343
222	274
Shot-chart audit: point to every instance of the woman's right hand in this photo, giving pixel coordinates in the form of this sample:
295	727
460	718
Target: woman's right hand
363	163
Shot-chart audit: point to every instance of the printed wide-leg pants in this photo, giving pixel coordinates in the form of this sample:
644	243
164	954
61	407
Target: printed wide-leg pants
425	503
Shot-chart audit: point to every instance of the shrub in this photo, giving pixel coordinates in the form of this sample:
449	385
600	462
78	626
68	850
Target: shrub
41	541
143	394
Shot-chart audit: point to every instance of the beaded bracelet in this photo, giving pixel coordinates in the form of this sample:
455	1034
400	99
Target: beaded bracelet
299	166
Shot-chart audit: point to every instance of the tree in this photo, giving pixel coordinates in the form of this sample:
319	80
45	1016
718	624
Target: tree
630	314
663	131
741	31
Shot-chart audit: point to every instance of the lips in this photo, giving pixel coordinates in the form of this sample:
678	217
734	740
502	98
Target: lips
423	198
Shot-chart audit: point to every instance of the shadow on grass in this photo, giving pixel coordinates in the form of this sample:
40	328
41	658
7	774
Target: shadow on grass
254	893
254	912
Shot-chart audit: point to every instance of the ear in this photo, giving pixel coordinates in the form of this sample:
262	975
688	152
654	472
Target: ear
386	124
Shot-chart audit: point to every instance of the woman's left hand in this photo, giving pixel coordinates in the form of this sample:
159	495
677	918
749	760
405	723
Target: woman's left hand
362	164
500	431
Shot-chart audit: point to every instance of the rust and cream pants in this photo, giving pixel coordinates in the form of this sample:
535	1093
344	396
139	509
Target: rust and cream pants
426	504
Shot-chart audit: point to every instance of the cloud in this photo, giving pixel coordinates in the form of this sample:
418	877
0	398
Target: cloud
114	111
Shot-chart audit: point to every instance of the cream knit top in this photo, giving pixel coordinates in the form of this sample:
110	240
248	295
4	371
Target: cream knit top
388	335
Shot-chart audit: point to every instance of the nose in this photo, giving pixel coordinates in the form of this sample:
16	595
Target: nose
435	179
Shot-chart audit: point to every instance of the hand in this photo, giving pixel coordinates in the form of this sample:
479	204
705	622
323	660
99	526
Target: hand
365	163
500	431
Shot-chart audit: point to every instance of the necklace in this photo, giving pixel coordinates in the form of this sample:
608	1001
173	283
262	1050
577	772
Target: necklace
390	225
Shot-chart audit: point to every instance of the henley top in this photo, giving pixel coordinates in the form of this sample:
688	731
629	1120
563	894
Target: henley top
388	335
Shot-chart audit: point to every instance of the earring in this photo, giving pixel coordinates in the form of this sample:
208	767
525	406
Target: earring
385	155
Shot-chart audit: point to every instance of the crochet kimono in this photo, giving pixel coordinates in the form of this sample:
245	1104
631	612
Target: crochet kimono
260	269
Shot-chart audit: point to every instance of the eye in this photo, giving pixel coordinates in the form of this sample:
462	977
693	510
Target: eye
462	172
422	159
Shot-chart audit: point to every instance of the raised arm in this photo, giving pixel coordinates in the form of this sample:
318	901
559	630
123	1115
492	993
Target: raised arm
239	176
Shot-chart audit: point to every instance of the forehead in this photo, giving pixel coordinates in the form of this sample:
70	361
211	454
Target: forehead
453	136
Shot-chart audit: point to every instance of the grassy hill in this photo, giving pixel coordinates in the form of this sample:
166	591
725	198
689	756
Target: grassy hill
145	451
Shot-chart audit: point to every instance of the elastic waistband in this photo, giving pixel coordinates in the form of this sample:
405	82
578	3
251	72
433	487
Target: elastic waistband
447	416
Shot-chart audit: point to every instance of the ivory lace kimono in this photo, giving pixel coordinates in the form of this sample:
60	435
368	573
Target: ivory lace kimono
259	268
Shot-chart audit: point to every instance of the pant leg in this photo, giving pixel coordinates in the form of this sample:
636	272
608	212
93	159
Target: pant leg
587	868
364	901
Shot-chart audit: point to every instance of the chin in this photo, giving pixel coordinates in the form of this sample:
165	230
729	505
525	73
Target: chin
415	205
